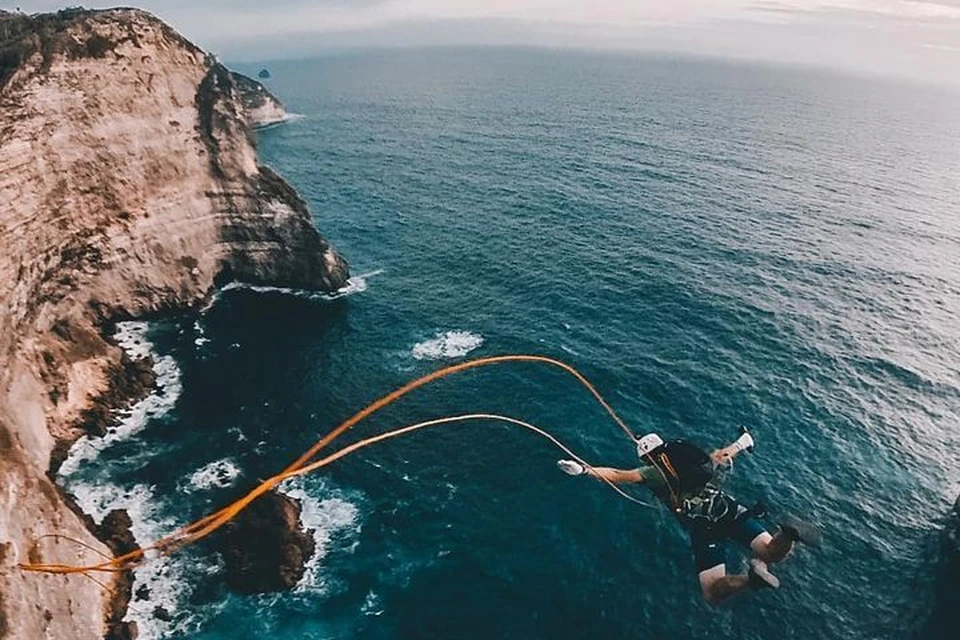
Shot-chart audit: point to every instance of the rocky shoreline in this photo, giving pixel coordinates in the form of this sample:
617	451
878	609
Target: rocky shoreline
130	188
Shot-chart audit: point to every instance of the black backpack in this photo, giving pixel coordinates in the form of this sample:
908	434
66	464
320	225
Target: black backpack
686	467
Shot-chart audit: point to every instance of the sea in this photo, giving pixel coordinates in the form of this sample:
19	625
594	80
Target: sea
712	244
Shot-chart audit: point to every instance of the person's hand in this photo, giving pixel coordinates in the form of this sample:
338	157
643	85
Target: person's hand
571	467
722	457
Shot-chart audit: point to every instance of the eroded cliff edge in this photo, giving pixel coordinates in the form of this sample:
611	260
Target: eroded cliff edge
129	186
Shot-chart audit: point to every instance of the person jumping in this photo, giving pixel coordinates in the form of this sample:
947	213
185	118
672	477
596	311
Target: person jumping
683	477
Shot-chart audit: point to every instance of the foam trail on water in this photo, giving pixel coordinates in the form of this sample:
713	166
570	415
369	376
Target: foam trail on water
290	117
132	337
372	605
446	345
201	338
355	284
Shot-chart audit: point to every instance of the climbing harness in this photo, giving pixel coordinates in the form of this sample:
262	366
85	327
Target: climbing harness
708	506
684	468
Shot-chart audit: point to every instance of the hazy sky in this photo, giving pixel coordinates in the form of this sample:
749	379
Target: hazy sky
919	39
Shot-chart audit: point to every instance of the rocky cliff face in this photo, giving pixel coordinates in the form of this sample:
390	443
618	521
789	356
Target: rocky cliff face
128	186
261	106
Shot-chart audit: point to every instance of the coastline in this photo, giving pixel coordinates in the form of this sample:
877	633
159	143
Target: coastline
129	156
127	416
132	382
156	615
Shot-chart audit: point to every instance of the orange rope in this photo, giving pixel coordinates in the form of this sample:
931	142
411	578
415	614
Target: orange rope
130	560
212	522
80	543
221	517
404	390
470	416
442	373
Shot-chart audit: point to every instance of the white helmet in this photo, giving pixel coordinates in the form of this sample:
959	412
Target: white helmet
648	443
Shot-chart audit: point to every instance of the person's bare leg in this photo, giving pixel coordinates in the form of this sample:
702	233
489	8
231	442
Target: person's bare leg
717	586
725	587
772	549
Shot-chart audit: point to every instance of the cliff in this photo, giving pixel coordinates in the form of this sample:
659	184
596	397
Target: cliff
129	186
262	107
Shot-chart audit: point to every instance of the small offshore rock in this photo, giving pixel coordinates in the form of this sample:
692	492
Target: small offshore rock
162	614
265	548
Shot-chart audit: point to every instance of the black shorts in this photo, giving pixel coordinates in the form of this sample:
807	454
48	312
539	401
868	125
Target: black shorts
709	543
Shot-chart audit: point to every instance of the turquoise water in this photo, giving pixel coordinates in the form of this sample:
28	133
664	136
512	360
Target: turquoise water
713	244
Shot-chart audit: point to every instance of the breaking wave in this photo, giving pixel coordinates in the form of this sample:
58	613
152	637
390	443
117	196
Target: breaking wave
326	518
132	338
446	345
288	117
219	474
160	585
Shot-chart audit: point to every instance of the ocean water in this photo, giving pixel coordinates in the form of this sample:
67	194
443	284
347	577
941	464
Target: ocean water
712	244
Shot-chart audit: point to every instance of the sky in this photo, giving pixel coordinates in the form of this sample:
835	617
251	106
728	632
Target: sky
907	38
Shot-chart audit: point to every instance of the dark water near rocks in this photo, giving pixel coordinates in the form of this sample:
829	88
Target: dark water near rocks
713	244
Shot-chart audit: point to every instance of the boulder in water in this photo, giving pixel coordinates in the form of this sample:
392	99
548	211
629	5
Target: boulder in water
265	548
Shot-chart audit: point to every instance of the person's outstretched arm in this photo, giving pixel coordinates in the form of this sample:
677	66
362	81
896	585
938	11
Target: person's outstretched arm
725	455
617	476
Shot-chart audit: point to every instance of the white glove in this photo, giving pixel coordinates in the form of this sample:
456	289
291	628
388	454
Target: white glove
744	442
571	467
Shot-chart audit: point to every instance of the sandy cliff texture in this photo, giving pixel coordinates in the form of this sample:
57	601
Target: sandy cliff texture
128	186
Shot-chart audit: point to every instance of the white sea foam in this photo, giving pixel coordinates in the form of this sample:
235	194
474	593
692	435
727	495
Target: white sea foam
287	117
448	344
569	350
372	605
327	517
201	338
238	432
166	579
355	284
217	474
132	337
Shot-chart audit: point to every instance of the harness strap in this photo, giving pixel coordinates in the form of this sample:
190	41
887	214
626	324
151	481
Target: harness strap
708	506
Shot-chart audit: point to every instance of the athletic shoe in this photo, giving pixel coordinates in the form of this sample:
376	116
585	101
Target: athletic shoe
760	577
800	531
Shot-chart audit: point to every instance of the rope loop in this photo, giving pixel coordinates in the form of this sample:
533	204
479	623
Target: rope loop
303	465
